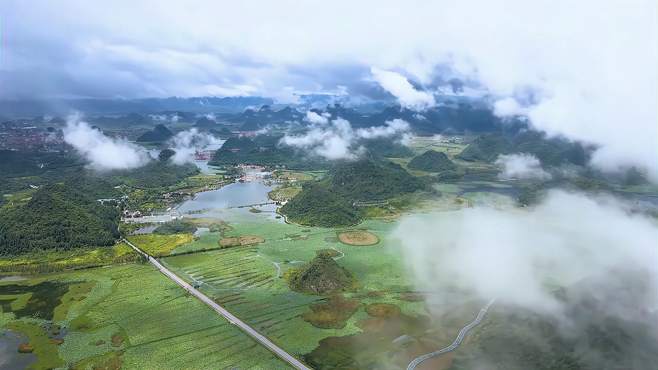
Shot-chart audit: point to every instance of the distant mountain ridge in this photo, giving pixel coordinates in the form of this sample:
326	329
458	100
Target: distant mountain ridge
158	134
24	108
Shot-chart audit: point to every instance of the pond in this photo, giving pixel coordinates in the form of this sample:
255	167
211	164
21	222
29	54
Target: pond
10	358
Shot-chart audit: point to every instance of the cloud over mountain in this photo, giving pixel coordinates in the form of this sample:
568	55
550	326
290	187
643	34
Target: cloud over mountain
103	152
398	86
543	59
336	139
521	166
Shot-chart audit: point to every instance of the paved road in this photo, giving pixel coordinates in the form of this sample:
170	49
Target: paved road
460	338
222	311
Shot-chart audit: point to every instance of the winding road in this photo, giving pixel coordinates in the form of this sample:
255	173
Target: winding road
458	341
278	351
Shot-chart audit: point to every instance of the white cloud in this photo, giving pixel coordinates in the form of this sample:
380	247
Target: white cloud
584	69
337	139
521	256
521	166
320	119
404	92
508	107
103	152
173	118
391	128
331	141
187	143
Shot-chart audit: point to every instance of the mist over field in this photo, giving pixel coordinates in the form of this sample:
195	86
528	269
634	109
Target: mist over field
568	249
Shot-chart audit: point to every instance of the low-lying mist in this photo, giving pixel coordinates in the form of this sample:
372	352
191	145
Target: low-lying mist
520	256
186	143
101	151
105	153
575	280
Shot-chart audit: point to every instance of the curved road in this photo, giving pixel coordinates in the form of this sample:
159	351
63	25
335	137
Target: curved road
285	356
460	338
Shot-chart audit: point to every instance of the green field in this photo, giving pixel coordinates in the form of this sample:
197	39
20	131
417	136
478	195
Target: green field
160	245
249	282
52	261
126	316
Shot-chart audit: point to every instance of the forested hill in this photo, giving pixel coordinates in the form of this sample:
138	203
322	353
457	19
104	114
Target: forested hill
317	205
367	180
550	151
265	151
158	134
57	217
331	202
432	161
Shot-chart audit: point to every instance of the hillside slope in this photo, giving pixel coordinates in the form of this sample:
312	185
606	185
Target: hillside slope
432	161
57	217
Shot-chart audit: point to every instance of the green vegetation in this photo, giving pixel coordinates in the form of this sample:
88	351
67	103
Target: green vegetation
153	175
42	344
386	147
265	151
432	161
332	314
20	169
57	217
552	152
333	200
385	310
175	227
320	205
486	148
367	180
249	281
321	276
165	154
158	134
55	260
159	245
240	241
522	340
294	176
125	317
284	193
358	238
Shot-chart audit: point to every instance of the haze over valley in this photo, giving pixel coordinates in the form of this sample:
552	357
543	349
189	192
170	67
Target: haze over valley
370	185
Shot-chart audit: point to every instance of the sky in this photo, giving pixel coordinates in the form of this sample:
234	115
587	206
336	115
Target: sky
584	70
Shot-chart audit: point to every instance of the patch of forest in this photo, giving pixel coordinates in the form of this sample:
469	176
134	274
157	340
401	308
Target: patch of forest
432	161
58	216
550	151
332	201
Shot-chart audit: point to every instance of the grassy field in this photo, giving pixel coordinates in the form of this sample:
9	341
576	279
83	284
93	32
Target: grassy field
159	245
200	182
249	282
295	176
284	193
421	144
127	317
51	261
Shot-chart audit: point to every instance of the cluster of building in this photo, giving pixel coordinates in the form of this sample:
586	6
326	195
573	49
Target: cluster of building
131	214
20	137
